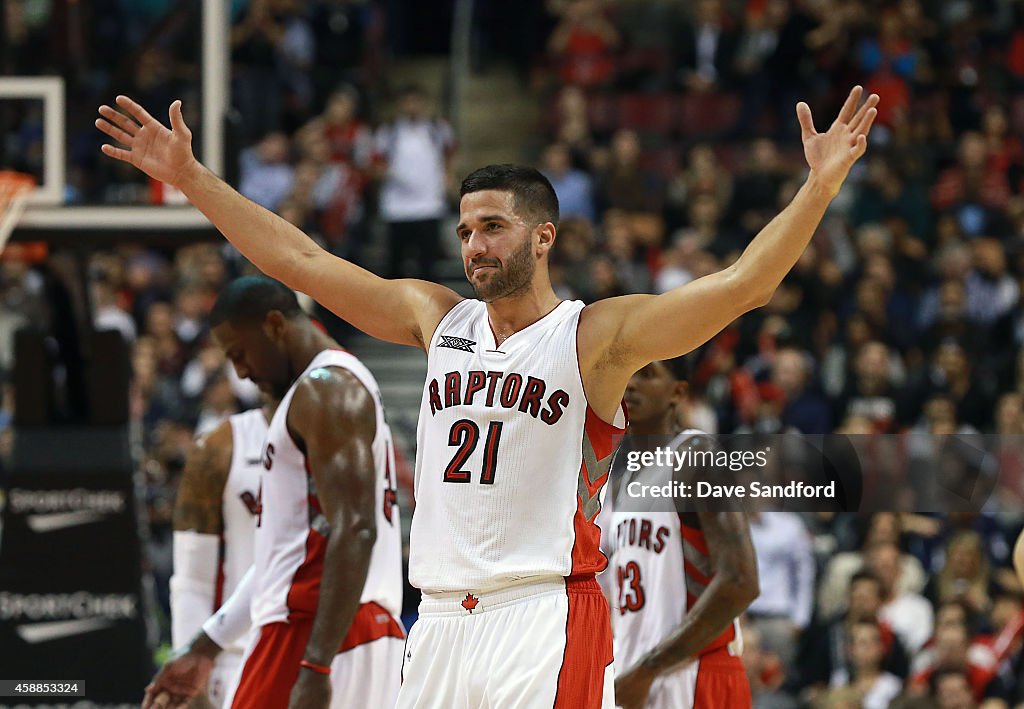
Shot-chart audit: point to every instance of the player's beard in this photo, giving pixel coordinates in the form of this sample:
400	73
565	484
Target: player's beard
515	275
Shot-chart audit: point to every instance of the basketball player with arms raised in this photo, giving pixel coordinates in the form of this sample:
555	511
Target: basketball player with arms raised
521	407
325	587
214	525
682	578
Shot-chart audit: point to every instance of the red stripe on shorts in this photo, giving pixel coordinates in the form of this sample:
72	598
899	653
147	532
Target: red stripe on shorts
588	646
273	665
721	682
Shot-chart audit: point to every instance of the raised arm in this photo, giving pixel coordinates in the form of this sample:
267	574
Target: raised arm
403	311
624	334
333	418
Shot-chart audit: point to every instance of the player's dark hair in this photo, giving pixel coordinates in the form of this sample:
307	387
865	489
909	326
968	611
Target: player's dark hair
534	197
684	368
247	300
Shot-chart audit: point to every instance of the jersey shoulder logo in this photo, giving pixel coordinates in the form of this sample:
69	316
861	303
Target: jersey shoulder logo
456	343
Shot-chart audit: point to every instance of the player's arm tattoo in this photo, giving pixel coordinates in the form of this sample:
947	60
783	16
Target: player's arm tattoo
732	589
200	493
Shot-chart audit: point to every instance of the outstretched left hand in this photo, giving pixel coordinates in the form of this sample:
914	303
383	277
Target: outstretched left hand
831	154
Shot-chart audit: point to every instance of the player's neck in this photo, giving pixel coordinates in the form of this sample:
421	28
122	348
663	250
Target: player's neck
517	312
306	344
655	427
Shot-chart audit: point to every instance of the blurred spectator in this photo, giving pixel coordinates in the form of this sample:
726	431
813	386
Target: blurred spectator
785	567
823	658
704	174
108	315
889	62
970	183
951	689
952	374
871	391
266	174
952	321
864	652
953	650
574	187
339	40
706	48
804	409
705	232
908	614
257	88
573	127
583	43
991	291
625	184
754	199
965	575
764	672
218	402
881	527
414	154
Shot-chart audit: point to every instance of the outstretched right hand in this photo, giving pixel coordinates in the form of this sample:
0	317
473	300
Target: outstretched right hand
179	681
162	154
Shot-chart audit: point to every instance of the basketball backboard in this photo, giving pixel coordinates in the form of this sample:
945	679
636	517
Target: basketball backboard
195	35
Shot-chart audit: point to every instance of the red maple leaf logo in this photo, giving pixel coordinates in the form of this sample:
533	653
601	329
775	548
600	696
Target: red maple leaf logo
469	602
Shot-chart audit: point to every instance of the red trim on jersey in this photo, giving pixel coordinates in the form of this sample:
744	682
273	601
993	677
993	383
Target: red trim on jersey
371	622
692	570
304	592
695	537
587	557
588	646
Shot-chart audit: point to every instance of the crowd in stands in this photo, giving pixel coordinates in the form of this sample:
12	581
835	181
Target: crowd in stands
670	138
671	141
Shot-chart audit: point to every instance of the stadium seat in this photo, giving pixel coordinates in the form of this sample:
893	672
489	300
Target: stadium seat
648	113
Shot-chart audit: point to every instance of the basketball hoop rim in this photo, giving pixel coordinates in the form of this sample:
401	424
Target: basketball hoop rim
12	180
14	191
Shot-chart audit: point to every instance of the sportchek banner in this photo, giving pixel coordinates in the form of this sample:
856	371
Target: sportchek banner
70	568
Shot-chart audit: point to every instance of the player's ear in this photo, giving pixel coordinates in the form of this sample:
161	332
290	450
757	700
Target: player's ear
545	236
274	325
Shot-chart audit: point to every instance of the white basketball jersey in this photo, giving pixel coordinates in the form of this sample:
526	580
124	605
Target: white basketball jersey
240	503
660	566
290	537
511	461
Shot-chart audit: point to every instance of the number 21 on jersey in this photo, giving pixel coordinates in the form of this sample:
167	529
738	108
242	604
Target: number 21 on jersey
464	437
